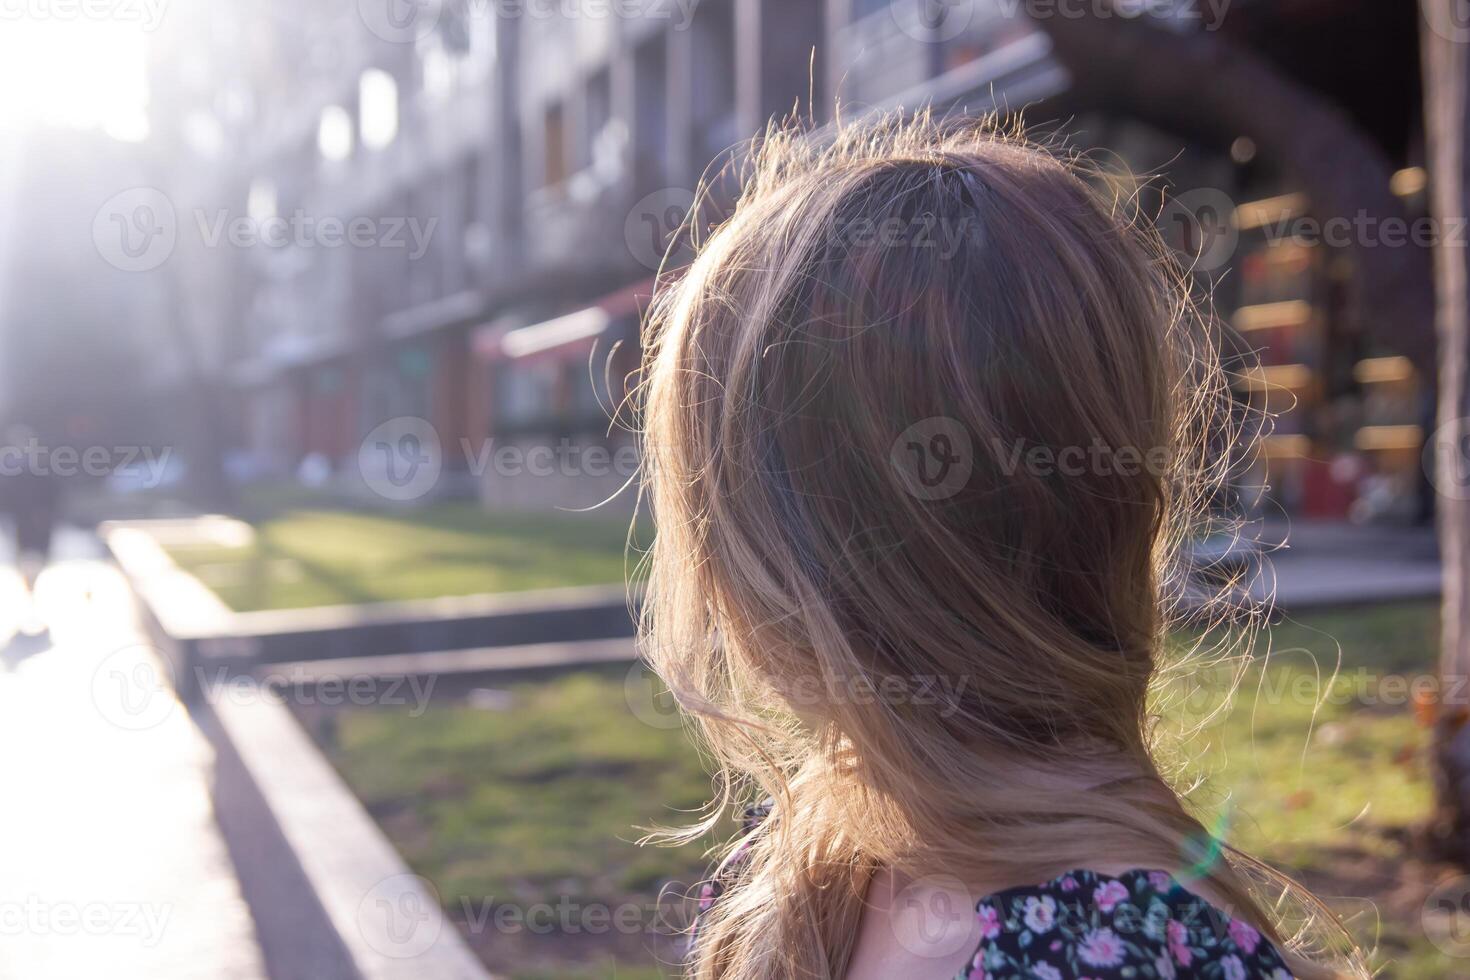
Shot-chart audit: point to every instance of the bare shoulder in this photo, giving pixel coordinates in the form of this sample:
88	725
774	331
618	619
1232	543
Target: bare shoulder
924	929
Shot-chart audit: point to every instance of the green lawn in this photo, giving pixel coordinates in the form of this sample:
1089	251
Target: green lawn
313	556
542	798
534	805
1329	782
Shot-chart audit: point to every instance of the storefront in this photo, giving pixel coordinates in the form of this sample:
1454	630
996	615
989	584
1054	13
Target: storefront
1346	415
1342	418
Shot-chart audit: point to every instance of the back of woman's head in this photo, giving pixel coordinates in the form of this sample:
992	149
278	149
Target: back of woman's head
924	420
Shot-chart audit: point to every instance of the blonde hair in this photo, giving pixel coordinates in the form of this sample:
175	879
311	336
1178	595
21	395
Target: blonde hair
842	398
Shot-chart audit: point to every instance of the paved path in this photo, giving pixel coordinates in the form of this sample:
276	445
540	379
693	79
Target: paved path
1330	563
111	865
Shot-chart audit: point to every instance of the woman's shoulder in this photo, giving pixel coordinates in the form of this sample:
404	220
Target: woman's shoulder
1143	923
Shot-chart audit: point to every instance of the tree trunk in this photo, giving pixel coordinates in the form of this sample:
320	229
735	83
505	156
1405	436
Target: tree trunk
1447	127
1203	86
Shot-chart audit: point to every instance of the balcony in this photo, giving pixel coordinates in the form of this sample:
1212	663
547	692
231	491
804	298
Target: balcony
891	58
576	225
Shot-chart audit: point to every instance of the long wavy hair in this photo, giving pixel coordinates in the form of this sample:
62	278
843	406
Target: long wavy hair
925	423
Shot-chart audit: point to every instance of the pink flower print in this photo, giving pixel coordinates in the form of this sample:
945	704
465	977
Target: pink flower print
1045	971
1245	937
1101	947
989	918
1069	884
1040	914
1160	882
1234	969
1179	943
1109	894
1164	967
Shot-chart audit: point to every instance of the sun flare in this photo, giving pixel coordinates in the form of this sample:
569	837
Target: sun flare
73	72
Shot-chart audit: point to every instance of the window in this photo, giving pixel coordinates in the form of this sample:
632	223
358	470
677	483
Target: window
597	116
477	240
469	180
650	113
425	270
525	393
714	80
260	200
377	96
334	134
582	384
554	143
411	380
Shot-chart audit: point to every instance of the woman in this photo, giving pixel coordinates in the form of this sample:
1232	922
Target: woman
925	422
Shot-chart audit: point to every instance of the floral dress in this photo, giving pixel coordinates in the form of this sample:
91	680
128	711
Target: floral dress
1087	926
1140	925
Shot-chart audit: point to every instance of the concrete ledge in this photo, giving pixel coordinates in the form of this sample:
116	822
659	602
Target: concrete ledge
457	606
331	898
426	625
183	605
483	660
446	674
176	609
296	937
193	628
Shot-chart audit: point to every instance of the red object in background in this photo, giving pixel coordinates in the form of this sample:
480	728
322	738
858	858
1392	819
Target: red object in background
1325	492
328	410
449	390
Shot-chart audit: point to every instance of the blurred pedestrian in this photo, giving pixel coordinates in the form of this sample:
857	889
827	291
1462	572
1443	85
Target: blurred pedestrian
30	494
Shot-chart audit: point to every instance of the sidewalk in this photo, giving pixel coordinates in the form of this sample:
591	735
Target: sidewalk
110	861
1331	563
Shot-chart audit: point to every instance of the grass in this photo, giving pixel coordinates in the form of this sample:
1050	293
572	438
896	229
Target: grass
539	801
537	806
314	556
1326	776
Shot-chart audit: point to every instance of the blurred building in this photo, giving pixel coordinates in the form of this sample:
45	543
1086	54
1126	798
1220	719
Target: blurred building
515	169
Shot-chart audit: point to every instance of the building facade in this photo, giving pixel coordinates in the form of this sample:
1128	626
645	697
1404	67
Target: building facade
516	169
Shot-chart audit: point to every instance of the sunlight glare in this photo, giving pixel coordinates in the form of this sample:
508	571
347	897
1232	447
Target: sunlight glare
75	73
